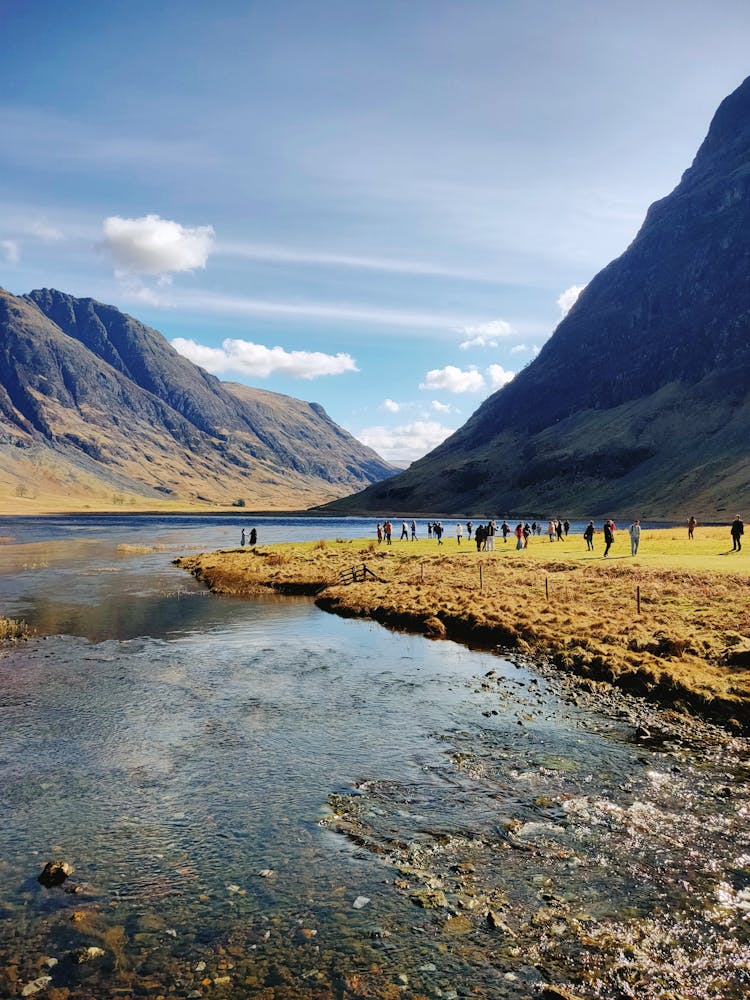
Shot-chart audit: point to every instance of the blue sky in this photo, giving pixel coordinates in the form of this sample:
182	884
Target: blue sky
377	207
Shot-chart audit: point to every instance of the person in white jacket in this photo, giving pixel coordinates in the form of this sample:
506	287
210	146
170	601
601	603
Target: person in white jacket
635	536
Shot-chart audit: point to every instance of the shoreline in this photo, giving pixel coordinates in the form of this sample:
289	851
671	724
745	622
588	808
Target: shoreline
687	649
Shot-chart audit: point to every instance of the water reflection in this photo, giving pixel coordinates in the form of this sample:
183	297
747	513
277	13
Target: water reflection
181	750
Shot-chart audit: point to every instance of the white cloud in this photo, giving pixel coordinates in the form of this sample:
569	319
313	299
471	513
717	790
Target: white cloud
11	251
497	376
441	407
519	349
405	443
151	245
454	379
391	406
247	358
484	334
568	298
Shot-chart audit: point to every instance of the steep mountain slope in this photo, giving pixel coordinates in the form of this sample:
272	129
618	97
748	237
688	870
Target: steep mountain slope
95	398
640	400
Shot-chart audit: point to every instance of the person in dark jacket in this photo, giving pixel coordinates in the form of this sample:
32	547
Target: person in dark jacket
479	536
737	530
609	537
253	536
589	536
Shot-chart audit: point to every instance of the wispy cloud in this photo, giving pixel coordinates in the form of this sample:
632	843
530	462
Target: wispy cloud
246	358
485	334
11	251
274	254
391	405
407	442
218	304
152	245
442	407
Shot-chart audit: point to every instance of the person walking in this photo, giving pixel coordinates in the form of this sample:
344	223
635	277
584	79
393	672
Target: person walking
505	528
479	536
459	532
253	536
737	531
589	536
519	535
635	536
469	528
526	533
242	538
692	525
387	530
559	529
609	537
489	542
414	531
429	529
438	529
379	530
404	531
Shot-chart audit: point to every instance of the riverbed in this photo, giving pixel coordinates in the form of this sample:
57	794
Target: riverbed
262	800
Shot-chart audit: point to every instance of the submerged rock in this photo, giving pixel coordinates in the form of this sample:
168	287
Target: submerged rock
82	955
55	873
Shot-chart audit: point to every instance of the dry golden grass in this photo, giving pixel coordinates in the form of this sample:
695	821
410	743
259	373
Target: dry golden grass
11	629
688	643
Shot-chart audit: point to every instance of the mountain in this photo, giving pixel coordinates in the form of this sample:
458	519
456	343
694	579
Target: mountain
640	401
92	402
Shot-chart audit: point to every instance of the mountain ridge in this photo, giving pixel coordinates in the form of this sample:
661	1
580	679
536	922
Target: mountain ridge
80	378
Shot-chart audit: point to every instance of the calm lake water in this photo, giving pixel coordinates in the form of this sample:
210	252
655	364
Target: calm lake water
260	799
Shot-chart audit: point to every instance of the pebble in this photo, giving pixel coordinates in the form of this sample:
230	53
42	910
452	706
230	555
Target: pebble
36	985
360	902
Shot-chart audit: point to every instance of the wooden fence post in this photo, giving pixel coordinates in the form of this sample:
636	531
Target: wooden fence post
481	577
638	598
546	588
421	572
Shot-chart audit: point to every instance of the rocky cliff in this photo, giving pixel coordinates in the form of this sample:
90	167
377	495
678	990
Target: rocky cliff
639	401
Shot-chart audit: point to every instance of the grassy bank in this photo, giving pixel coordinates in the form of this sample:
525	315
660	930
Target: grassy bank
671	623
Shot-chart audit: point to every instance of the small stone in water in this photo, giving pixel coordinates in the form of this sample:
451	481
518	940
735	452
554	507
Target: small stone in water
81	955
55	873
36	985
200	967
233	888
360	902
265	872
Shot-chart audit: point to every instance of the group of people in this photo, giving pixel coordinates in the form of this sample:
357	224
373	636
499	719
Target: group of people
557	530
248	538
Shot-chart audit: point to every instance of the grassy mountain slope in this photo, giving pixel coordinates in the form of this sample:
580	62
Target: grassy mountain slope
94	403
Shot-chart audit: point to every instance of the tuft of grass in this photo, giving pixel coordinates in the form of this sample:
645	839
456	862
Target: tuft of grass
11	630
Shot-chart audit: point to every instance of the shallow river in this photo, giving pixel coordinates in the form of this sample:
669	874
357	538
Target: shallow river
262	800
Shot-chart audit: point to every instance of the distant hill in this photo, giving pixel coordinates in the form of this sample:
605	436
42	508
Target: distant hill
92	402
640	401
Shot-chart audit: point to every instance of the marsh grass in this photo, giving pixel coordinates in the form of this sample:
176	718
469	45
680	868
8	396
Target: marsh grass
563	605
11	630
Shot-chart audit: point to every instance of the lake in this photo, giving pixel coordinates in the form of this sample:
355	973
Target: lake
262	800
